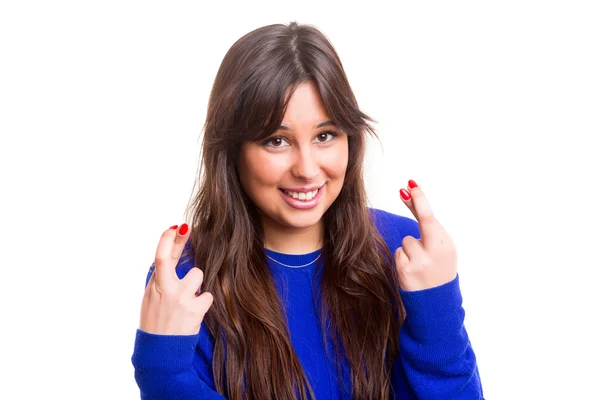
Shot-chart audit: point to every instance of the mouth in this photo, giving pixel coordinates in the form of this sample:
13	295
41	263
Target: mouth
302	194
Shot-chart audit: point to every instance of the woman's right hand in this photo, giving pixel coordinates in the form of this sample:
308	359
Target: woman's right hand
173	306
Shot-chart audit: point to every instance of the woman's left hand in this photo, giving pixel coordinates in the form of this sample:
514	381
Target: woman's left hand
430	261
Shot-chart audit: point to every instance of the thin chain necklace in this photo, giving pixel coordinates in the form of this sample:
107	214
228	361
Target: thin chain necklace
294	266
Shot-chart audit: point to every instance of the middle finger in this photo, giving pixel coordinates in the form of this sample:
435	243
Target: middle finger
169	251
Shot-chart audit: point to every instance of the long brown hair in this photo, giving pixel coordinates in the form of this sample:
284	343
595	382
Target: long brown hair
361	311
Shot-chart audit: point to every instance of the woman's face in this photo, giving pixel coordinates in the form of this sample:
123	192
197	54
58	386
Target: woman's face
296	174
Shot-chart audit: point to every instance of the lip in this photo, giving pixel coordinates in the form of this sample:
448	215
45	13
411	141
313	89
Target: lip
302	204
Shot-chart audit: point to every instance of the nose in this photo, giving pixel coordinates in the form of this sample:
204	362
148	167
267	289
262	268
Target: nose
305	165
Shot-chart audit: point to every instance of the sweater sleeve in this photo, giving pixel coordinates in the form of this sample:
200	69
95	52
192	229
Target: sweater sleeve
174	366
436	357
165	368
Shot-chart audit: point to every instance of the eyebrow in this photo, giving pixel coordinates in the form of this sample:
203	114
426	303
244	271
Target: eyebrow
322	124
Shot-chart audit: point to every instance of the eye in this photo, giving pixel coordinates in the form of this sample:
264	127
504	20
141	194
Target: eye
276	141
325	137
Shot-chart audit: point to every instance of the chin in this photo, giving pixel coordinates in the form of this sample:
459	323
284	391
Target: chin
300	219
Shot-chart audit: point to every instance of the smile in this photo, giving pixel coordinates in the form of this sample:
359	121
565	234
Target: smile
302	198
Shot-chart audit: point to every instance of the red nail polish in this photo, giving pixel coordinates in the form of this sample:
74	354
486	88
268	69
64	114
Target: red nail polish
183	230
174	227
412	184
405	195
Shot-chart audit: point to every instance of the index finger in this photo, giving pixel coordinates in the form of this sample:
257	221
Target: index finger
169	251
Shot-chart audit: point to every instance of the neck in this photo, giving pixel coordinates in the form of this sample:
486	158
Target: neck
287	240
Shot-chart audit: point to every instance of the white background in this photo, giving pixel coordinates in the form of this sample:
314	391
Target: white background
492	107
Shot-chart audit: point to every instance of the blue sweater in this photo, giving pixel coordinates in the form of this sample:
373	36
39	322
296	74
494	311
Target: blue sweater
435	361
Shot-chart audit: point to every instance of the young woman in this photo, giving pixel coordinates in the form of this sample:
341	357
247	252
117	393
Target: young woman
305	291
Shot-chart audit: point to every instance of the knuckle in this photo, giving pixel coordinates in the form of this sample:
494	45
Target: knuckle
405	270
402	263
398	257
165	235
406	239
428	218
206	301
195	274
200	275
160	260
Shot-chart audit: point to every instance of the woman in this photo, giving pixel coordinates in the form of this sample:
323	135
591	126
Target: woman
301	296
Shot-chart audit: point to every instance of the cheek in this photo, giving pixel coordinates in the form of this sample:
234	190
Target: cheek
262	170
338	161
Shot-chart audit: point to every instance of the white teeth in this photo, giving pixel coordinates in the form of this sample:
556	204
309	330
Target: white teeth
305	196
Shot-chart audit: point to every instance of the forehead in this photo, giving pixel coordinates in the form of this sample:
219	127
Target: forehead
306	109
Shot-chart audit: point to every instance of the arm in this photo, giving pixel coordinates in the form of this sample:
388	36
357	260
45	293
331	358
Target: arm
173	351
436	358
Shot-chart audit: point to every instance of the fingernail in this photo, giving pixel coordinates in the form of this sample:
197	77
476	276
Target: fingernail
174	227
405	195
412	184
183	230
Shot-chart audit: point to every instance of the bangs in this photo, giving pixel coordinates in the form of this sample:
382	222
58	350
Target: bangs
263	100
260	112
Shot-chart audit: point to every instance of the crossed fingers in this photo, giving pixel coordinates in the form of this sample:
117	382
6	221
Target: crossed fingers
431	260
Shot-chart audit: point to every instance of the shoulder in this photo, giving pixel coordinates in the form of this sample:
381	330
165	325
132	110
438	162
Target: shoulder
393	228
